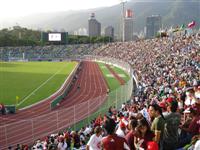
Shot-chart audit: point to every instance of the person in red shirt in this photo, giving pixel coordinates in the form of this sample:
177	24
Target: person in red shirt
194	126
131	134
112	141
143	134
197	105
193	129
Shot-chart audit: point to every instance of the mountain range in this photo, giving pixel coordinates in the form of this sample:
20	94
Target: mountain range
173	13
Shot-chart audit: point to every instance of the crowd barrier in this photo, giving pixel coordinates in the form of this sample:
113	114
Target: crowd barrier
62	92
28	131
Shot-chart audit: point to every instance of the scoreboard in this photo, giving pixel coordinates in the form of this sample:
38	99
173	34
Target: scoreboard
54	37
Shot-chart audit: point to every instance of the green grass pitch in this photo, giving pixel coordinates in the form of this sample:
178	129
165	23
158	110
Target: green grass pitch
112	82
126	77
31	81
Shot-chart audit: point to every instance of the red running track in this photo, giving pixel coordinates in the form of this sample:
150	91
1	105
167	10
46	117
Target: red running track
38	121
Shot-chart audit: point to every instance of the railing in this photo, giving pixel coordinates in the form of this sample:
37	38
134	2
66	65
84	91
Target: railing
28	131
62	92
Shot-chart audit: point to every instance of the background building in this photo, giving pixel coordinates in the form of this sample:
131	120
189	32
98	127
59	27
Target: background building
128	26
109	31
94	27
81	31
153	25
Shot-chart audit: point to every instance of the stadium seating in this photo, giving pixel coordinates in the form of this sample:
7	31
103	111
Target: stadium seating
168	73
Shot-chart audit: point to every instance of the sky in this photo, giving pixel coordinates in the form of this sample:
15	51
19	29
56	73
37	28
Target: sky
18	8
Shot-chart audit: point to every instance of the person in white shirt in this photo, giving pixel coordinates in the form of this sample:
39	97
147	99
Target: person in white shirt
121	131
87	130
62	145
95	140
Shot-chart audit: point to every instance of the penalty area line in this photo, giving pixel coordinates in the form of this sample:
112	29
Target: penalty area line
45	82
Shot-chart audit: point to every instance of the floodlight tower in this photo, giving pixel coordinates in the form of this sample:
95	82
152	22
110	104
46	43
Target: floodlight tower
123	17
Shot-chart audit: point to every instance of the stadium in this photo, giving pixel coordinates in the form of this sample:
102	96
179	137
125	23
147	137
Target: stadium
60	93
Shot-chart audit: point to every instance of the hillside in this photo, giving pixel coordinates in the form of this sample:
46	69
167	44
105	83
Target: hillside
173	12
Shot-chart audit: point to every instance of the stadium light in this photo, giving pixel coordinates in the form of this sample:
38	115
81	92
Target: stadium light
122	2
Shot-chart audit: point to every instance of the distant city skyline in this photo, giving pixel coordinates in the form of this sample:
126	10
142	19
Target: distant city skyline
20	8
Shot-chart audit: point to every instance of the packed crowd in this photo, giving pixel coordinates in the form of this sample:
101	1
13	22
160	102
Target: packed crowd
164	114
46	52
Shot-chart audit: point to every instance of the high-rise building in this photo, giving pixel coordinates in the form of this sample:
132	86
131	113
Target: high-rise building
109	31
94	27
81	31
128	26
153	25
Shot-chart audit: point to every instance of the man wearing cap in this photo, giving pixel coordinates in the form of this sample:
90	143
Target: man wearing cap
187	132
121	131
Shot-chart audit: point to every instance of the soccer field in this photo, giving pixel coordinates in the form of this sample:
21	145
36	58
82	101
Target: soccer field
25	83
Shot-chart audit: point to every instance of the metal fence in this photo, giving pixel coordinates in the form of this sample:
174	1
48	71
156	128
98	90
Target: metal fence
28	131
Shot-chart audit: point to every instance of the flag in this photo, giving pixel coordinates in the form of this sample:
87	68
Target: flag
191	24
182	27
17	99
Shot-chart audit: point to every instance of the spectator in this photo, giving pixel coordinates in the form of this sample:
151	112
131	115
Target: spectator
19	147
113	141
187	132
95	140
170	140
53	144
131	134
62	145
158	123
121	130
75	139
143	134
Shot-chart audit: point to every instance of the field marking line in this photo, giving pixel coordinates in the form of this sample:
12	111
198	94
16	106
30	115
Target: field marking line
122	75
32	93
110	75
103	67
66	80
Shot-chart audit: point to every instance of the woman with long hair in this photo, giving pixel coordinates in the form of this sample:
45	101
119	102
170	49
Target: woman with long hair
143	134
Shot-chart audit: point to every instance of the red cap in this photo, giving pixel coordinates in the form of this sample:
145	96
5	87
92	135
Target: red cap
169	99
122	125
152	146
162	105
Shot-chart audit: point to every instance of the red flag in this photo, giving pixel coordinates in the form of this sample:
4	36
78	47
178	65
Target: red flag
191	24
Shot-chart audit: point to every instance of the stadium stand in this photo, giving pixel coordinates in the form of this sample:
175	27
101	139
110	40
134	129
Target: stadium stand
164	113
45	52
